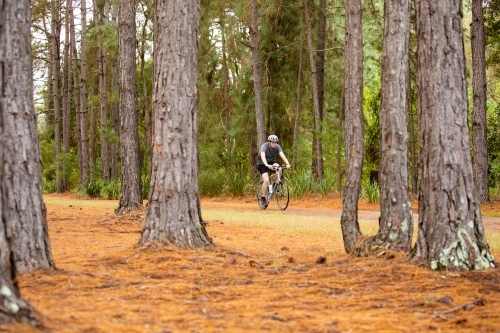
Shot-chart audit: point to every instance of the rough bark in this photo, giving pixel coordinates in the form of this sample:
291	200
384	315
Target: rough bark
480	159
131	194
396	218
173	215
257	78
354	126
103	92
450	234
56	72
317	146
23	212
66	99
83	138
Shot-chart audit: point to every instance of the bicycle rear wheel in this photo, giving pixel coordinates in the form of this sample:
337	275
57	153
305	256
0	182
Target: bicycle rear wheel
259	196
282	195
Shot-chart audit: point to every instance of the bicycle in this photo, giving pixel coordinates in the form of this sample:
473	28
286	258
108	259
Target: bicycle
277	188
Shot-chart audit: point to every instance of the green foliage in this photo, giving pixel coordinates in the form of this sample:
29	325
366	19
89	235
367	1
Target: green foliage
49	186
211	184
91	188
371	192
145	183
110	190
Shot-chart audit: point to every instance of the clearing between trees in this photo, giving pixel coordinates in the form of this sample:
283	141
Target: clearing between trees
264	275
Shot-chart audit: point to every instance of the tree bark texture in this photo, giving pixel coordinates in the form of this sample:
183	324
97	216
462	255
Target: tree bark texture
450	234
83	138
317	145
257	78
354	124
173	214
131	194
103	102
17	114
478	44
396	218
23	211
56	74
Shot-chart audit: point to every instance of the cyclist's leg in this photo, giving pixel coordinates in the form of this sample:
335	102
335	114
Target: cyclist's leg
265	178
265	183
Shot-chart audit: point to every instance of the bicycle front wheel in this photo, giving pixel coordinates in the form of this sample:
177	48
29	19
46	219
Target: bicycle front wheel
282	196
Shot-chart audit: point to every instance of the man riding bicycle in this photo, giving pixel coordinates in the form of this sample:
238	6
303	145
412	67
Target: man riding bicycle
267	160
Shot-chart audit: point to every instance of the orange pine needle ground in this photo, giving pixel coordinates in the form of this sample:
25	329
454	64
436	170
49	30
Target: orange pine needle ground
256	279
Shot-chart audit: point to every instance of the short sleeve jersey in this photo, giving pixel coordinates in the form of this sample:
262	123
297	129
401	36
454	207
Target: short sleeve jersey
270	153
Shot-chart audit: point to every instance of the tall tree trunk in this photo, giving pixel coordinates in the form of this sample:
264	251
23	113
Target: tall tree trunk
450	234
318	148
49	97
103	92
227	100
173	215
354	123
76	83
396	217
480	159
83	138
24	226
114	104
56	61
339	141
145	98
131	194
66	106
257	79
299	98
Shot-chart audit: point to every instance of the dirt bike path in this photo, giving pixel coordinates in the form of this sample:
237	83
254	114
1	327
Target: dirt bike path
332	208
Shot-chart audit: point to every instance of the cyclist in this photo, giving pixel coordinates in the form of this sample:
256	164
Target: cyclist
267	160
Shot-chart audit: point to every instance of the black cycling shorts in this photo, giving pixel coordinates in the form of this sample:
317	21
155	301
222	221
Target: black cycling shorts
263	169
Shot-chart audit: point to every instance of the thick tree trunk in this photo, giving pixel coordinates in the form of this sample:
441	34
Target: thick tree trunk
478	43
131	194
317	145
83	138
451	234
354	126
396	217
23	215
257	79
174	214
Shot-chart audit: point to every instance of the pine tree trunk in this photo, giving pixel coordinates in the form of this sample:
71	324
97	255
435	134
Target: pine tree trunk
66	107
354	124
56	61
396	217
317	145
23	215
75	75
83	137
450	234
257	79
174	214
103	99
131	194
478	43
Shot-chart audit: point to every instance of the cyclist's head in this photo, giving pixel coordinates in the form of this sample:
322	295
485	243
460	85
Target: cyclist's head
272	138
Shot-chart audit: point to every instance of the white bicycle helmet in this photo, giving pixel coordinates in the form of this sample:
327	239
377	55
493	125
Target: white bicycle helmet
272	138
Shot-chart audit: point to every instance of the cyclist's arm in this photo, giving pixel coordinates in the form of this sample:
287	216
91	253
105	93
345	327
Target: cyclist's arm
283	157
263	158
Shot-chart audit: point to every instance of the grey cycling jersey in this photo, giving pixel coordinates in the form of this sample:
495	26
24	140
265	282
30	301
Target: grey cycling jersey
270	153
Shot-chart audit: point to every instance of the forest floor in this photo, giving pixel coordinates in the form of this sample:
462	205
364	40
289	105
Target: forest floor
257	279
